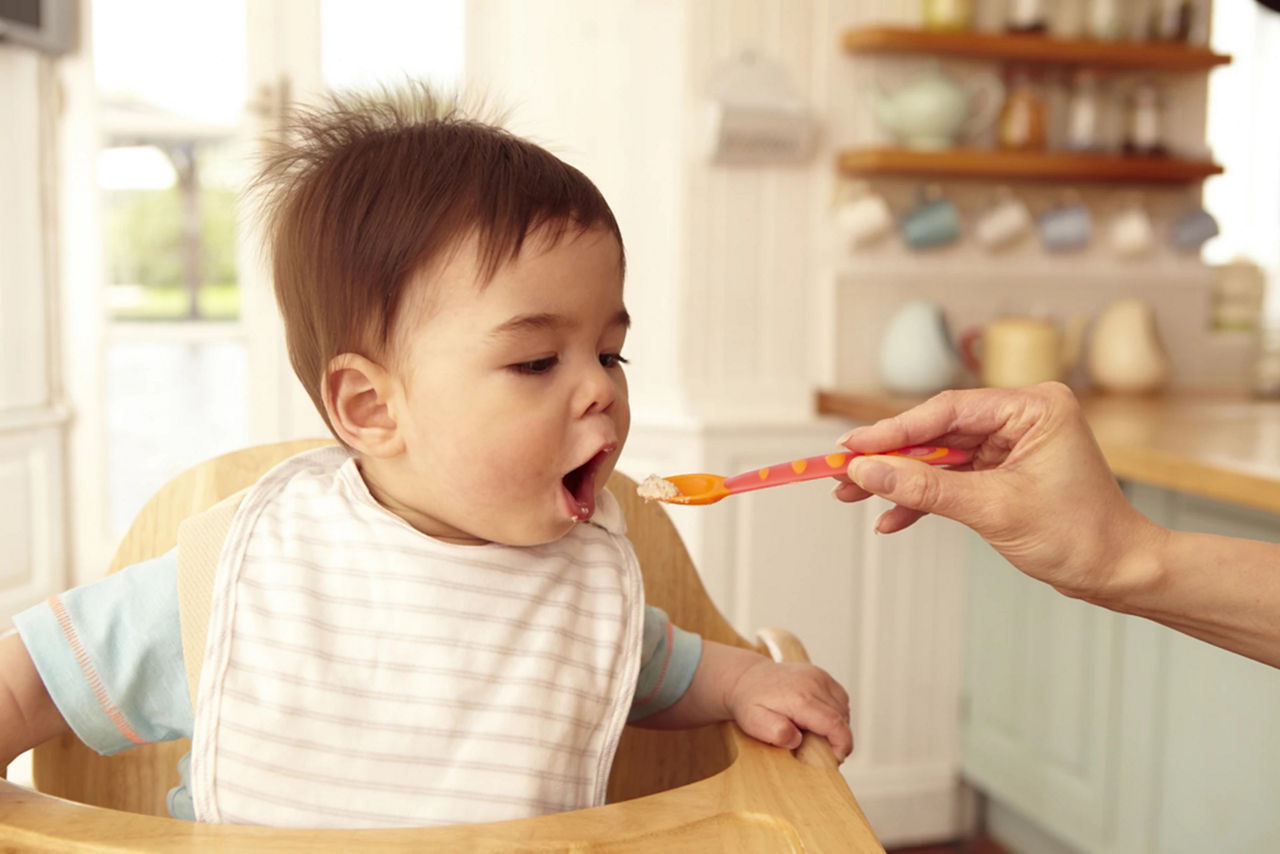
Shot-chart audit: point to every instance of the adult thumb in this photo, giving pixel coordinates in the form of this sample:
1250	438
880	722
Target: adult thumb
910	483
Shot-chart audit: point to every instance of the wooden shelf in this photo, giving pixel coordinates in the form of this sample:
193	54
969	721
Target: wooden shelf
1014	47
1025	165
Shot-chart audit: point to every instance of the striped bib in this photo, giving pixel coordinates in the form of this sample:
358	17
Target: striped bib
358	673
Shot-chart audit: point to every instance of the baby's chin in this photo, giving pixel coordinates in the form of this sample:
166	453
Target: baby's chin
528	531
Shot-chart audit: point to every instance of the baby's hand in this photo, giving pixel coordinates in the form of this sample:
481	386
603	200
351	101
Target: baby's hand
773	701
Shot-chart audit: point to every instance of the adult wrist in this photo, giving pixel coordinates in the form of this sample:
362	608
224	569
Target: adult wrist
1137	569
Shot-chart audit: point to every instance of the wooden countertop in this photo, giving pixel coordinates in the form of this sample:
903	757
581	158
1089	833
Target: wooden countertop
1219	445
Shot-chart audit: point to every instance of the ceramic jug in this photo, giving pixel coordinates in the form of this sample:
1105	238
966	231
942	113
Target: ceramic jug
934	111
916	356
1020	350
1125	353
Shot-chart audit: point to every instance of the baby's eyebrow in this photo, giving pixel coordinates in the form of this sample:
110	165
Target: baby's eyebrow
537	322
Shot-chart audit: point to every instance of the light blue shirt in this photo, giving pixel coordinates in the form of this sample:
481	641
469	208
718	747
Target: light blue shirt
110	655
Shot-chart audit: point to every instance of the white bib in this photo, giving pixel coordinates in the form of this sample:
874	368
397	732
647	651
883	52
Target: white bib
358	673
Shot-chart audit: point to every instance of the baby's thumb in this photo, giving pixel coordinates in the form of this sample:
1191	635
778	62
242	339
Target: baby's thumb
909	483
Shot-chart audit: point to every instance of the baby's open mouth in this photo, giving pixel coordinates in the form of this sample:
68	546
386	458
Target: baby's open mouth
580	484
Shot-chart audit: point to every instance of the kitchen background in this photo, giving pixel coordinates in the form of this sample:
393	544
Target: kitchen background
796	180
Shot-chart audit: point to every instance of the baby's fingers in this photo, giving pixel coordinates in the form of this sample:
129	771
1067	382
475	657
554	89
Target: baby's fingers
770	727
828	722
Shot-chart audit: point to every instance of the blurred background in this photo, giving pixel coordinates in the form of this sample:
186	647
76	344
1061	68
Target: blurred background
832	209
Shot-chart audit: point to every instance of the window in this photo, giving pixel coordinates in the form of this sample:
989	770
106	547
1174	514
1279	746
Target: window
173	88
1244	133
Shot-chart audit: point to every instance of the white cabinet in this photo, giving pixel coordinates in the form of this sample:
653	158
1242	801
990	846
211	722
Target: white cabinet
32	419
1093	731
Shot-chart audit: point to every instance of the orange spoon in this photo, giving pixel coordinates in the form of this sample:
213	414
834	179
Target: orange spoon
710	488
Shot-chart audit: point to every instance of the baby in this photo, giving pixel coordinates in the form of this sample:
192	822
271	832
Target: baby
439	620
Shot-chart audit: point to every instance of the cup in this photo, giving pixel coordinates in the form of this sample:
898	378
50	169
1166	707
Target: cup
862	215
1003	222
1067	226
1190	230
1130	230
933	221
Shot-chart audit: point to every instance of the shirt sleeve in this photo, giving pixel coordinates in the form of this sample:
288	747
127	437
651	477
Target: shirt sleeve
110	655
669	657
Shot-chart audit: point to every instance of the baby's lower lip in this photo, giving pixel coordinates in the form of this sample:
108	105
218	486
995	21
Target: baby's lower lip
572	509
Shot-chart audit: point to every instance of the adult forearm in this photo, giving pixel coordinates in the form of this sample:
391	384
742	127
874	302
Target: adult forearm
1223	590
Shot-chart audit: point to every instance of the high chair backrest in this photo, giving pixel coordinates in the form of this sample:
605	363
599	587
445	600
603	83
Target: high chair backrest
647	762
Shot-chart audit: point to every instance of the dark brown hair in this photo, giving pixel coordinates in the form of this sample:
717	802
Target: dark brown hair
365	191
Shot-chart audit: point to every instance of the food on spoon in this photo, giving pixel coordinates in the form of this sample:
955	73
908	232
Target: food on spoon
657	488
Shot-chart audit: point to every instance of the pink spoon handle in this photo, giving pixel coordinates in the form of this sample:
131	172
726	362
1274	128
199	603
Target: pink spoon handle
833	465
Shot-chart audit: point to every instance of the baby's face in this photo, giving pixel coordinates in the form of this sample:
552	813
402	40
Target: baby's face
511	397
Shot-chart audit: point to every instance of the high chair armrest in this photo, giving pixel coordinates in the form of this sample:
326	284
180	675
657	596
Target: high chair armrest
782	645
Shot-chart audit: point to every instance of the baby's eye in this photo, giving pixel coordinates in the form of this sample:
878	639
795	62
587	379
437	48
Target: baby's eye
537	366
612	360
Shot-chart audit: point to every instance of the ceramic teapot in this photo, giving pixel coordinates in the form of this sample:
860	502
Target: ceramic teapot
916	355
1125	353
934	111
1021	350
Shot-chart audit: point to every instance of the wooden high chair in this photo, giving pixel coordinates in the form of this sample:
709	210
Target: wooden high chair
708	790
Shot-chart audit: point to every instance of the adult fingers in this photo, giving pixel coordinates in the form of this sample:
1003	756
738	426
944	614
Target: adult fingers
921	424
850	492
897	518
963	418
917	486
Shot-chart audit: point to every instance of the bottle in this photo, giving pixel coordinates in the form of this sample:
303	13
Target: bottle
1170	20
1143	125
1106	20
1084	113
1027	16
1023	124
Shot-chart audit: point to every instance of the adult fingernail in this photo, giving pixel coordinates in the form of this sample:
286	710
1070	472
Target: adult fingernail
844	438
873	475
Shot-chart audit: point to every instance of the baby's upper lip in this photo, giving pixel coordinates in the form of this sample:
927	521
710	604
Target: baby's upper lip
600	452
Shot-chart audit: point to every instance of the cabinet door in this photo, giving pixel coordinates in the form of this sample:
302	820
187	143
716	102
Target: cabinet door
1113	733
1041	682
1218	756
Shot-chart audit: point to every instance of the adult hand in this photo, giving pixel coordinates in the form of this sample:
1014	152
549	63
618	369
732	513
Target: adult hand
1037	487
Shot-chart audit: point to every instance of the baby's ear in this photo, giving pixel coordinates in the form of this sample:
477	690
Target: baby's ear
357	392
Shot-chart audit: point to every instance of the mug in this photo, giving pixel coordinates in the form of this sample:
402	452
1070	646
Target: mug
1066	227
862	216
1192	229
1131	231
934	221
1006	220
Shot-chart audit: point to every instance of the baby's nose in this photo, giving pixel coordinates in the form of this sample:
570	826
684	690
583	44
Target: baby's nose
596	391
